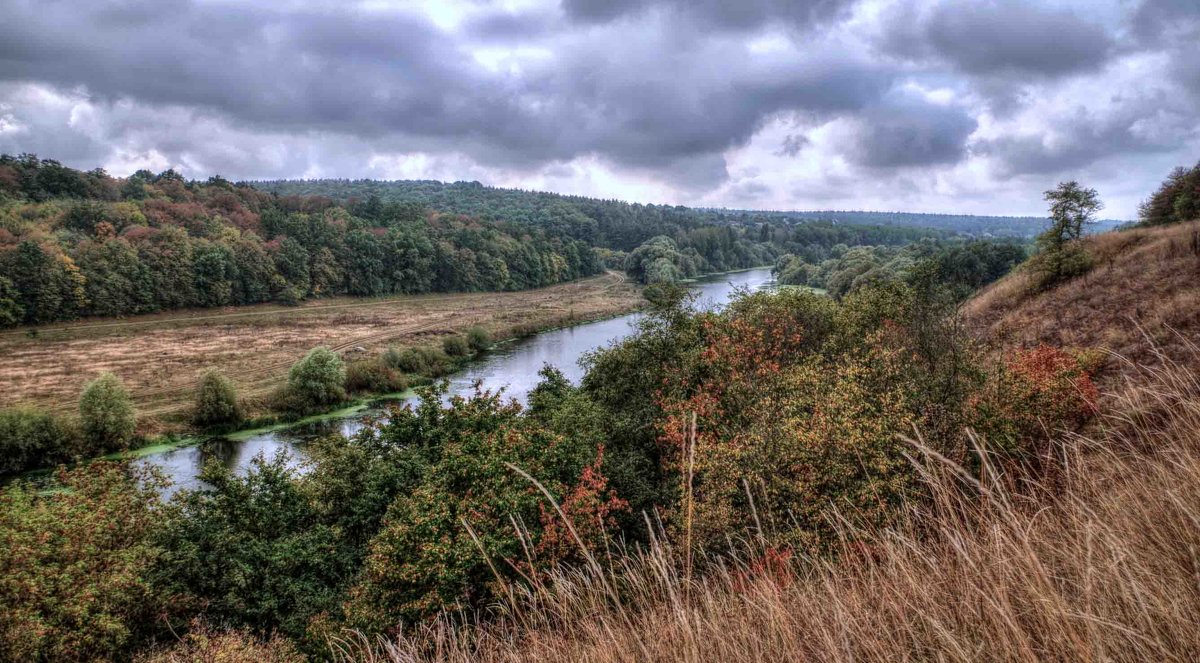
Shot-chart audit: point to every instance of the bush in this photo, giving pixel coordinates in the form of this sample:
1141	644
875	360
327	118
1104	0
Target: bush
106	415
317	380
74	565
456	346
420	361
373	376
392	357
216	400
31	438
250	549
479	339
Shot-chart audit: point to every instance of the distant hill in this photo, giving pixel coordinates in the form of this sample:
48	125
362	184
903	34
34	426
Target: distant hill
544	208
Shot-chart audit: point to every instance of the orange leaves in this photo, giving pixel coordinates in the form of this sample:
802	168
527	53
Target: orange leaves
1036	393
591	508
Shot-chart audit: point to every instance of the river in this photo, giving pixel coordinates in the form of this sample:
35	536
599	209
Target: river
512	366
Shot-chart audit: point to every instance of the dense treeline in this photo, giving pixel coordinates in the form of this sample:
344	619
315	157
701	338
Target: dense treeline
1176	200
616	224
964	267
75	243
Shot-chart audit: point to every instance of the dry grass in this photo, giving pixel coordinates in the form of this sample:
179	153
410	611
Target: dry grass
1101	563
160	356
1145	282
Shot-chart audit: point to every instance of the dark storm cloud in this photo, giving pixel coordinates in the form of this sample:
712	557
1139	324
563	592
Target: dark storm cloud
904	131
739	15
987	37
673	102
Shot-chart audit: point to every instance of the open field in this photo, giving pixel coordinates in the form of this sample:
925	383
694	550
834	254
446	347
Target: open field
160	356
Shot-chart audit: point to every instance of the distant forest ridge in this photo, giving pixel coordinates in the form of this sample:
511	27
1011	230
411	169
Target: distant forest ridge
495	203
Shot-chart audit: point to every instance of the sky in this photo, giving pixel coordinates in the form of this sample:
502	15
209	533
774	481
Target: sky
962	106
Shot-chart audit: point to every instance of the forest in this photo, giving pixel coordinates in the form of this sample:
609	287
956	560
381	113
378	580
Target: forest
622	225
78	243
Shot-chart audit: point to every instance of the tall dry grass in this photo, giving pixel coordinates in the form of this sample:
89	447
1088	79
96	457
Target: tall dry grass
1100	562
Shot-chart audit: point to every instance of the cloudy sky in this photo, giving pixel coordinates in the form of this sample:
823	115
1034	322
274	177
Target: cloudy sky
921	105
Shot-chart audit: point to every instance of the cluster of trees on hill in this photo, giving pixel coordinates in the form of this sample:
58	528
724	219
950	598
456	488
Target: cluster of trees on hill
75	243
753	422
964	267
1176	200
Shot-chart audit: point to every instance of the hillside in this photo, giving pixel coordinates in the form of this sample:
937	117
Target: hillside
628	224
1140	297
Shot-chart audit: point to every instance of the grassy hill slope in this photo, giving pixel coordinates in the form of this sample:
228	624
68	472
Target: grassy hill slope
1140	298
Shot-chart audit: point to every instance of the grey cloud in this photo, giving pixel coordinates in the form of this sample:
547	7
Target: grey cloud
793	144
1135	126
907	132
749	191
719	14
666	100
986	37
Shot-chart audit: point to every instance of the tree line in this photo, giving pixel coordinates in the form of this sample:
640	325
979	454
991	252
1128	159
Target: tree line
83	243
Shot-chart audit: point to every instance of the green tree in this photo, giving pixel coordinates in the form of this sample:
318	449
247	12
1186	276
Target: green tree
11	311
317	380
106	416
216	400
250	549
51	285
1059	255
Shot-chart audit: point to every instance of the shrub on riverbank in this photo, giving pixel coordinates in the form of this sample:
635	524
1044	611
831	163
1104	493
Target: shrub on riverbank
456	346
374	376
216	400
106	415
31	438
420	361
479	339
315	382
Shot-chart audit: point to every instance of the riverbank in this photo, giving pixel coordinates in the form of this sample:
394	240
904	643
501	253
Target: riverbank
159	357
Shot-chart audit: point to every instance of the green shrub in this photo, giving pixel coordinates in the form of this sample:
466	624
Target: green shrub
317	380
373	376
422	361
106	415
216	400
250	549
392	357
456	346
479	339
74	564
31	438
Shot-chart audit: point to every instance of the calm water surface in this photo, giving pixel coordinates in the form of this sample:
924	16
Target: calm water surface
511	366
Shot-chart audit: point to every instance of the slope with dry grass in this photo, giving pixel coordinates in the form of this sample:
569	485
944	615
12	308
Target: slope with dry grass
1142	292
1100	562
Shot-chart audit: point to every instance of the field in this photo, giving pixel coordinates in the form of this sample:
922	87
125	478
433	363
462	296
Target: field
160	356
